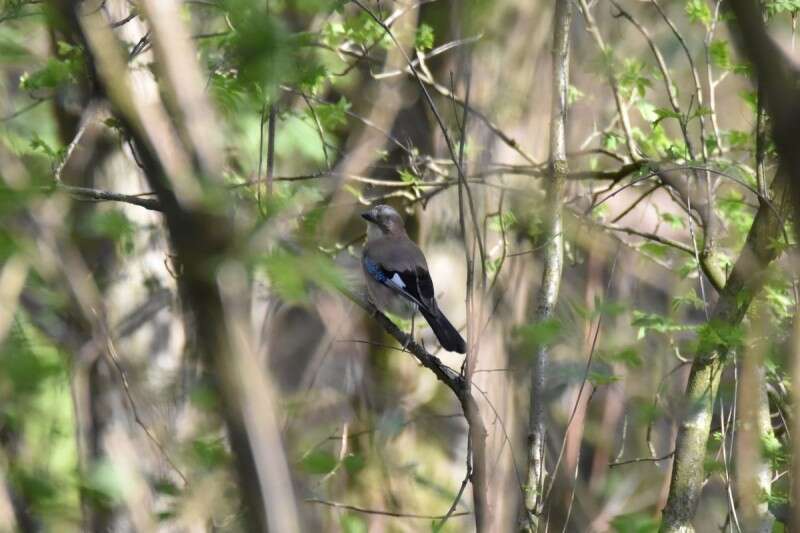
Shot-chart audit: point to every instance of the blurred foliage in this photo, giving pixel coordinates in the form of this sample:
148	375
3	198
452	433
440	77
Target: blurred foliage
314	63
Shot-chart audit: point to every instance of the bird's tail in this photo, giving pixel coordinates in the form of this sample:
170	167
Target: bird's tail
449	337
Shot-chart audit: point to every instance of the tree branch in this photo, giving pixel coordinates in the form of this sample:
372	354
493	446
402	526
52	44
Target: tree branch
741	288
553	259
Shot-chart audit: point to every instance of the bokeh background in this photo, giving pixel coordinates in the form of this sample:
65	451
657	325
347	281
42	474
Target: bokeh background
300	114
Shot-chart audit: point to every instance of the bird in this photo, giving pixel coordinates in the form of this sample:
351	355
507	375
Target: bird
397	275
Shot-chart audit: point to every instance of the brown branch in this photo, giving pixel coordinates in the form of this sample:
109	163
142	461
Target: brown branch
655	237
742	286
454	381
379	511
98	195
444	373
642	460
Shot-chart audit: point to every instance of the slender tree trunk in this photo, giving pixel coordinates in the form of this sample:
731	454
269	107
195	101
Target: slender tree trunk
552	257
777	78
753	471
743	285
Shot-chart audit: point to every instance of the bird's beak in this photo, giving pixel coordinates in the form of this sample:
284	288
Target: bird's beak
368	216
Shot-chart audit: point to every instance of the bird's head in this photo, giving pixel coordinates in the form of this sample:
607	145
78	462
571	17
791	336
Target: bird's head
383	220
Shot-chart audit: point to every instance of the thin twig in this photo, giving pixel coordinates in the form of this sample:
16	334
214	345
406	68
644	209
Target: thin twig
114	356
642	460
451	511
23	109
379	511
85	121
271	149
97	195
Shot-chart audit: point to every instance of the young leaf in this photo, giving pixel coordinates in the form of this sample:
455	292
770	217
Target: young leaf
423	40
699	11
319	462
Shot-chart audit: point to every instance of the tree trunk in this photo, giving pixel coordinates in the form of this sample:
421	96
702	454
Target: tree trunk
741	288
553	258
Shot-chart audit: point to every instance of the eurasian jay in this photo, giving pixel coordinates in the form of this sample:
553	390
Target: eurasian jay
397	275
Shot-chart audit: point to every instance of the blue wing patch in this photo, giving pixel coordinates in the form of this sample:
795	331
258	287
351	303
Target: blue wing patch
415	286
375	270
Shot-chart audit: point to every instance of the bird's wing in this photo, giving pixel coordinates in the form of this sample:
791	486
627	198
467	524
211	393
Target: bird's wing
413	283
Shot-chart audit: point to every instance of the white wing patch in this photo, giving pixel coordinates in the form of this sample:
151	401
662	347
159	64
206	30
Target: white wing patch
397	281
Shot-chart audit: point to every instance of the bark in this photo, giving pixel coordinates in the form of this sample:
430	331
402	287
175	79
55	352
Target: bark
778	78
741	288
753	471
552	257
184	174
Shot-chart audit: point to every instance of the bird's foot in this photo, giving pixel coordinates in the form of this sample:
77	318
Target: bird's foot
410	337
409	340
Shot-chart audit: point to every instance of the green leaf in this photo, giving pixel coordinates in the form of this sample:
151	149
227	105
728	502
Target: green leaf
780	299
362	29
738	138
57	71
209	452
774	450
499	222
655	249
408	176
675	221
354	463
423	40
720	55
610	141
633	79
292	275
105	484
333	115
599	379
319	462
109	223
701	111
38	144
607	308
698	11
352	523
663	112
635	523
23	369
750	98
574	94
689	299
655	322
166	487
12	52
647	110
628	356
776	7
718	335
542	333
735	211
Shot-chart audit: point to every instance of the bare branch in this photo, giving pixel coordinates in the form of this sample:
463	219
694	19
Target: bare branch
380	512
642	460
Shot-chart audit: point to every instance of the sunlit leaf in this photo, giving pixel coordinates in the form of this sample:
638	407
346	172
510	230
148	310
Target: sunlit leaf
319	462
